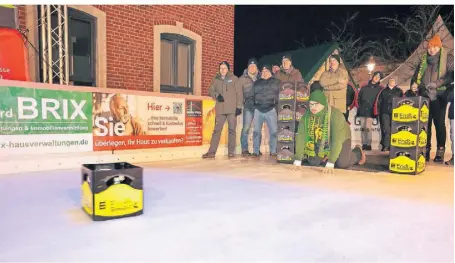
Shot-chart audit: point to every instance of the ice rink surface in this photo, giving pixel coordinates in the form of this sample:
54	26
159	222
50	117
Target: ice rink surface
208	216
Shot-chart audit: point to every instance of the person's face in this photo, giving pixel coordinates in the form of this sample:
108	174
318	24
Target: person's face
252	69
275	69
433	50
286	63
265	73
316	107
223	70
376	78
392	83
120	110
334	64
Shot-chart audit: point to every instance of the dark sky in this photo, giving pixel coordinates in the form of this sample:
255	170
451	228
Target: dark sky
262	30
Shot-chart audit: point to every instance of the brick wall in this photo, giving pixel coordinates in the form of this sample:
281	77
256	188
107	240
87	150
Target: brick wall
130	39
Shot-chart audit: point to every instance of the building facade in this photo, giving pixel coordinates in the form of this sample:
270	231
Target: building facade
159	48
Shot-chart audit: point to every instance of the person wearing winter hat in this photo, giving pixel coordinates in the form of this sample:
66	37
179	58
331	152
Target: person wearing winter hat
432	78
383	110
325	137
229	102
365	110
335	83
287	72
249	77
265	93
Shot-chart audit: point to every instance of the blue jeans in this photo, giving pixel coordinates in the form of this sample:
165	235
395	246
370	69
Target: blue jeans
248	115
271	118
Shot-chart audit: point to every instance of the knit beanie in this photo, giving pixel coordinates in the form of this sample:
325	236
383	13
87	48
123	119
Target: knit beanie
225	63
435	42
252	61
318	96
268	67
378	73
337	57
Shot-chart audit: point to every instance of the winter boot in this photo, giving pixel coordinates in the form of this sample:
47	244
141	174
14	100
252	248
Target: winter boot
439	158
427	154
246	153
208	156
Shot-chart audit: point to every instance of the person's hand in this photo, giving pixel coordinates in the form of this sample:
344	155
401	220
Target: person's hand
329	169
220	98
238	112
297	165
414	87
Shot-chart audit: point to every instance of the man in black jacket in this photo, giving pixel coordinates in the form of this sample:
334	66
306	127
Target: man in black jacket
265	93
365	102
245	82
383	109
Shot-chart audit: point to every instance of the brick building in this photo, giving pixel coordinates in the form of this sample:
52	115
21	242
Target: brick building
160	48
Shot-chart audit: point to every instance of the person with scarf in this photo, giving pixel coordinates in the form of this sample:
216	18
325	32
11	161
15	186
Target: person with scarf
383	108
245	82
325	137
229	102
365	110
287	72
432	77
335	83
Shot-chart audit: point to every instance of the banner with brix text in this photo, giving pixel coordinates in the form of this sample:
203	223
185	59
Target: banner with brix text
39	121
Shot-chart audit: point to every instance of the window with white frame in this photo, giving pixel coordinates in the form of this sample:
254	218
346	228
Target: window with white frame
177	64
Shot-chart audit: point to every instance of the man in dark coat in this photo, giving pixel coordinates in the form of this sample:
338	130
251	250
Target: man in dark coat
432	77
365	111
229	102
245	82
383	109
265	93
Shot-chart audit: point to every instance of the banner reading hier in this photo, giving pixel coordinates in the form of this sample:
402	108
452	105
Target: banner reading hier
37	121
128	122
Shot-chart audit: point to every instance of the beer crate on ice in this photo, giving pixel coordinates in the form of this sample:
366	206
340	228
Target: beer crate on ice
112	190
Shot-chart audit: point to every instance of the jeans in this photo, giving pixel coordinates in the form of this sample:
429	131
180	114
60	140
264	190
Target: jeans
365	131
248	115
271	118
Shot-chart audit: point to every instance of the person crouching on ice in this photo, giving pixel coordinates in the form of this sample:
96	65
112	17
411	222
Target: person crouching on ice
325	137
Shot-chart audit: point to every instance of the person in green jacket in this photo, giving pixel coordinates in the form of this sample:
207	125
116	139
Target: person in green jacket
325	137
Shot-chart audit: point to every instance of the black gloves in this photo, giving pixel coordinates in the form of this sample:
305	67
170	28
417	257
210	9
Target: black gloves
238	112
220	98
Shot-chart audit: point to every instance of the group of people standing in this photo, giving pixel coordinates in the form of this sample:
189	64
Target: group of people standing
324	135
432	79
255	95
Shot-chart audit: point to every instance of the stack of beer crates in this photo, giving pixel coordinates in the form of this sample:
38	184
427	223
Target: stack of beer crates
292	104
409	135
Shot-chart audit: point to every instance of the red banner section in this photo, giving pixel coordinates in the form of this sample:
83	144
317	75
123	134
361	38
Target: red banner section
109	143
193	123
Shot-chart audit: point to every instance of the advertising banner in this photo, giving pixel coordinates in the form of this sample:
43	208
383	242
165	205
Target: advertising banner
39	121
356	138
122	122
194	124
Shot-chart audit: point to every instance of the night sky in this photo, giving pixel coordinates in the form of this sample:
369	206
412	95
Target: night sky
262	30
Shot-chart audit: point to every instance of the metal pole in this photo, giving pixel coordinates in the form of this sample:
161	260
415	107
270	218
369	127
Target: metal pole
49	43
